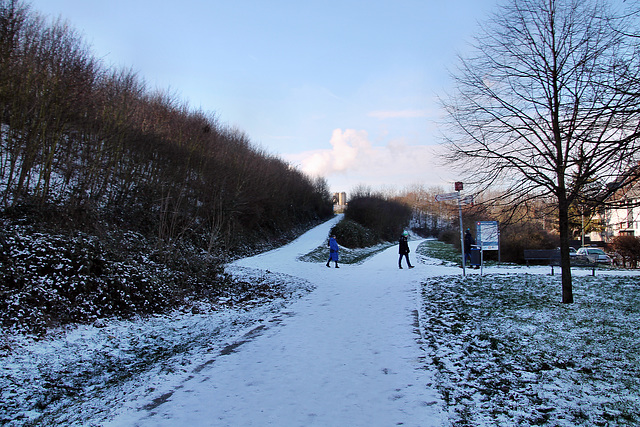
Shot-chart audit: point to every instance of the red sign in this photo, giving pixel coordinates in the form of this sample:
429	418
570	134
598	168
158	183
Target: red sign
458	186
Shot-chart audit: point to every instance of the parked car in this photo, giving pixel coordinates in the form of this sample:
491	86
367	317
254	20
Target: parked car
572	251
594	255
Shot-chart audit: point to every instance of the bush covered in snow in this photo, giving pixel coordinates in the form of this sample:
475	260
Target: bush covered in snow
48	279
59	266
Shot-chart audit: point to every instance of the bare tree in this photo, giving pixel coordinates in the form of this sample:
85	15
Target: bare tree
543	106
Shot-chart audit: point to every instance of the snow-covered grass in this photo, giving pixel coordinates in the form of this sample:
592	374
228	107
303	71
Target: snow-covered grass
347	255
438	253
508	352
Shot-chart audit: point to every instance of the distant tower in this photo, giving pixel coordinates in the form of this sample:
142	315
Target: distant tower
339	201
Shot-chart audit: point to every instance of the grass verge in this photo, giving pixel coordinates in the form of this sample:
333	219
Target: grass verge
347	256
507	352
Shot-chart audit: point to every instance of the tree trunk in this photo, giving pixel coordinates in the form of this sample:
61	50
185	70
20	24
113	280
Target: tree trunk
565	258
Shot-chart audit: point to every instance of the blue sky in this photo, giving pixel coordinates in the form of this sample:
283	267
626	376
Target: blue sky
343	89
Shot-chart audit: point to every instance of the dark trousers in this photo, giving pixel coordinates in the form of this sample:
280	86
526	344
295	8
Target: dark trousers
400	260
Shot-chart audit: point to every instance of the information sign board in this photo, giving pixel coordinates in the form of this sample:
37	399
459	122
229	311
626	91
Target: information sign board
488	235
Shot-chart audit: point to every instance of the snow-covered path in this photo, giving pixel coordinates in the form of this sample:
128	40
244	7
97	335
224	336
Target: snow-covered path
347	354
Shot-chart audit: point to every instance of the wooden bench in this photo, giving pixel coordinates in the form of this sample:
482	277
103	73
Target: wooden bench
548	256
552	258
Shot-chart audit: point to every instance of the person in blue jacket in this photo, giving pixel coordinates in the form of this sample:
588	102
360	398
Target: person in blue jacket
333	251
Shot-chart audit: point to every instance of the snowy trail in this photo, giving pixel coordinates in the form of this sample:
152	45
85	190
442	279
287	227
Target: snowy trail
346	354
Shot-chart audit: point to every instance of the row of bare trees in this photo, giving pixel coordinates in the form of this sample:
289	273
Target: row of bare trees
79	134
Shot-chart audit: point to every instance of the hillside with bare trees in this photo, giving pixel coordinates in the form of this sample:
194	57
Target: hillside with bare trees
89	150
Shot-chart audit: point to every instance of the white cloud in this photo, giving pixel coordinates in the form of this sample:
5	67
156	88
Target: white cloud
353	160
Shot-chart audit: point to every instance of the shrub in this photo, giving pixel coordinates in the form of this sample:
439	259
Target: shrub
51	279
451	237
628	247
385	218
352	235
515	238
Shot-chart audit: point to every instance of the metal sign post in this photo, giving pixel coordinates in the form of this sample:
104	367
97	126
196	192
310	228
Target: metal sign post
459	187
461	235
466	200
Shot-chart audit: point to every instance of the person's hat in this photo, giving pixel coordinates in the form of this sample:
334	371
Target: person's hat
404	233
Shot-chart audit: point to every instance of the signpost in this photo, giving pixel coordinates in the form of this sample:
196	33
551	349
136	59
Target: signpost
447	196
487	232
466	200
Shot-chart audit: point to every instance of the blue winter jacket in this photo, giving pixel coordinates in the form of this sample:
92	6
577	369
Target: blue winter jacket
333	250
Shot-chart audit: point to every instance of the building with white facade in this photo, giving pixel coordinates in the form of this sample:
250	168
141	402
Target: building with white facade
622	214
623	218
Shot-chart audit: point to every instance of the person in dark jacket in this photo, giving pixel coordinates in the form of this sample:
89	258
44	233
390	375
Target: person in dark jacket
403	249
468	242
333	251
